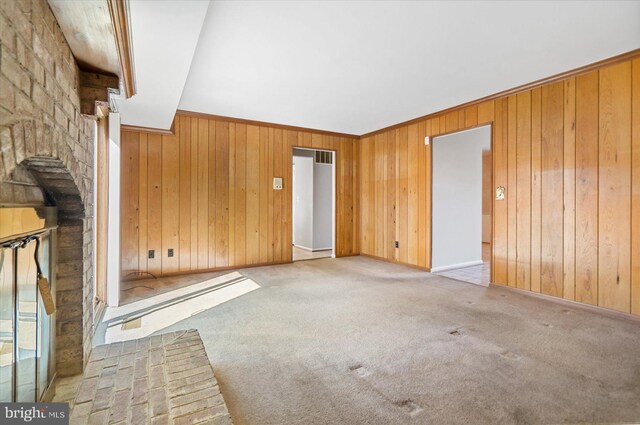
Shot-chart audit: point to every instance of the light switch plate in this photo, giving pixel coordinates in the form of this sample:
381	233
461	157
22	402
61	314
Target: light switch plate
277	183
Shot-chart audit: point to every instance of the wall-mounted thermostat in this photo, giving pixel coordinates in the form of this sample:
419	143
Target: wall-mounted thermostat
277	183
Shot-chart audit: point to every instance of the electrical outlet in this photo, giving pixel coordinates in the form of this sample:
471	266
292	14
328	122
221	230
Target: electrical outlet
277	183
397	244
170	252
152	253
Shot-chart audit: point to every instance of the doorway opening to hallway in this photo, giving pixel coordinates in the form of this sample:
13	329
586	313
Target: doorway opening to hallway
313	204
462	205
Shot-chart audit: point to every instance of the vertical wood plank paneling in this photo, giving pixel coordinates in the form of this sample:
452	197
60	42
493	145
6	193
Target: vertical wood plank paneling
523	195
552	189
587	188
222	194
341	165
143	215
372	196
241	193
204	250
470	116
365	199
193	142
451	121
231	249
154	202
347	176
582	184
270	194
170	173
536	188
380	202
129	196
421	187
486	112
512	189
211	153
264	196
383	250
291	140
412	199
500	178
277	196
341	190
185	193
355	246
391	183
253	195
569	238
614	271
403	194
461	119
635	187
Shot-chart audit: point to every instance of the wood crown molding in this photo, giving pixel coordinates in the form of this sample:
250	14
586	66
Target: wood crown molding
119	12
170	132
262	123
535	84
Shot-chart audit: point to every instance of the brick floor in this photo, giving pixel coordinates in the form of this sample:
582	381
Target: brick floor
163	379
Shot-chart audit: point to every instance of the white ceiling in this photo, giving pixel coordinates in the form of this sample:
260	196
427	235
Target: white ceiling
356	67
164	36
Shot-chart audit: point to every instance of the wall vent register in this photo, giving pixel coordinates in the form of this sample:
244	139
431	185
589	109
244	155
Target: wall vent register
324	157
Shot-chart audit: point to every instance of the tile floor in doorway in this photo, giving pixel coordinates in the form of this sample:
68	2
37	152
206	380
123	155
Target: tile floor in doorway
302	254
479	275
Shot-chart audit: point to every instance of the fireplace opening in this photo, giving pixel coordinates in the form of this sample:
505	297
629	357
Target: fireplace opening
41	224
25	327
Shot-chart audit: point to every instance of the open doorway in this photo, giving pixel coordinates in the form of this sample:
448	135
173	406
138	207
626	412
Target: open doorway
313	204
461	215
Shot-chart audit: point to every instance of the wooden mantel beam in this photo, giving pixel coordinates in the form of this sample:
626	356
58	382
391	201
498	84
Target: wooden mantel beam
94	90
119	11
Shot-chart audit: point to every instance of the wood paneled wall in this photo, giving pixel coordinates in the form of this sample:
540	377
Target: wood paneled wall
568	154
207	193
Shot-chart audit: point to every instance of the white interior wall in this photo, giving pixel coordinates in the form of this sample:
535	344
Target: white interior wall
322	206
113	236
457	198
303	198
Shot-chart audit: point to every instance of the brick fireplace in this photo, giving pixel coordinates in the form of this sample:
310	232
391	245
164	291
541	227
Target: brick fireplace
44	135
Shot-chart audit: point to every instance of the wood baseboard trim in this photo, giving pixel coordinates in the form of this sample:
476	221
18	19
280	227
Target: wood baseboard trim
347	255
215	269
413	266
588	307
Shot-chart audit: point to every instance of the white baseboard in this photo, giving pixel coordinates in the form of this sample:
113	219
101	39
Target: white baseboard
456	266
312	249
303	247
